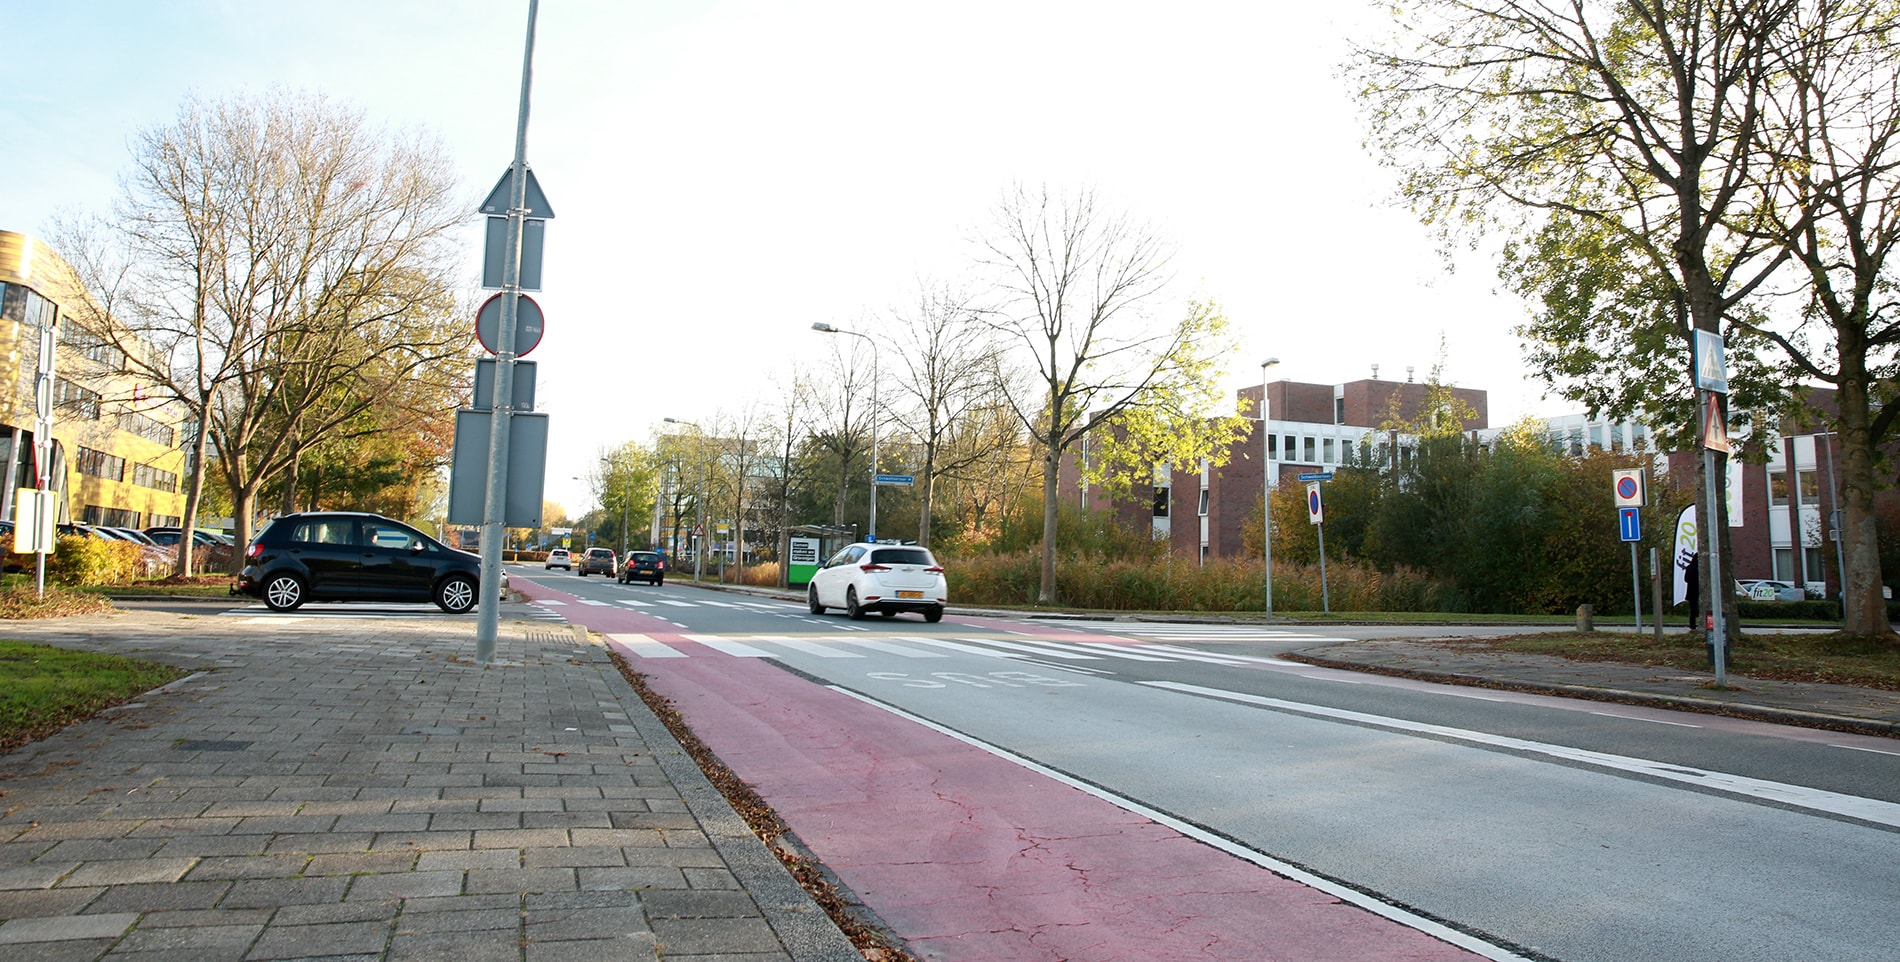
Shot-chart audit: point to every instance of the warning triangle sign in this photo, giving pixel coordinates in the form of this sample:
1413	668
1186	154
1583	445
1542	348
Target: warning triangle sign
1714	427
499	198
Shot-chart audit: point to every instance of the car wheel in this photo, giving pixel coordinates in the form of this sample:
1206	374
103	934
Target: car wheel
852	609
583	572
284	592
658	582
811	601
934	615
888	613
455	595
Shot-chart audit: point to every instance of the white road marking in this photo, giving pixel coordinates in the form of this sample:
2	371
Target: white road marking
1798	796
678	604
646	647
890	649
733	648
809	648
1049	650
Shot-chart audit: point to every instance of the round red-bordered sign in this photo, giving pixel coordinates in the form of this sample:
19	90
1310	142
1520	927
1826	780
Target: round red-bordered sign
529	323
1626	487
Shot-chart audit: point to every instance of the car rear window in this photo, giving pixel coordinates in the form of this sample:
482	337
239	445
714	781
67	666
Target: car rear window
902	556
644	556
599	553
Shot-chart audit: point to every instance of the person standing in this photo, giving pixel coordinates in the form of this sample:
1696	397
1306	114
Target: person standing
1693	578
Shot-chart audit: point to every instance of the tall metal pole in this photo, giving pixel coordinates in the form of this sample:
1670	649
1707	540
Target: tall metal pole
1266	481
494	508
877	412
1718	636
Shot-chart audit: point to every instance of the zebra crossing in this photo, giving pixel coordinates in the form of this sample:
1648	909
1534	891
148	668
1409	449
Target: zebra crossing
1072	653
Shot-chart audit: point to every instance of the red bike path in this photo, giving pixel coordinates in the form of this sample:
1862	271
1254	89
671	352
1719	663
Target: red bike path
967	857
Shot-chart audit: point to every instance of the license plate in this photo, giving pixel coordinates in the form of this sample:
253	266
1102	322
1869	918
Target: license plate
910	594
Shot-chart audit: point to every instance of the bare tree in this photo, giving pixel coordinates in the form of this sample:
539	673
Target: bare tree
951	361
842	413
1075	284
290	263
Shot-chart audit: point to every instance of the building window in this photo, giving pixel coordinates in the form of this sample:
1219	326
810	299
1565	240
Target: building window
1816	571
1339	410
164	521
25	305
146	476
1203	510
1273	447
75	400
1784	564
1310	459
109	517
1810	488
1161	502
91	346
1778	489
151	429
1326	454
98	464
1596	437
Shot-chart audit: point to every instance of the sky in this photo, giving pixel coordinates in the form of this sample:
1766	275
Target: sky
726	173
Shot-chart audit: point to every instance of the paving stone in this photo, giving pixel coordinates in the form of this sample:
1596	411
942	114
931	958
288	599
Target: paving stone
688	937
207	937
267	893
488	881
478	945
37	876
405	885
160	897
558	925
359	862
25	903
698	904
65	928
130	872
309	941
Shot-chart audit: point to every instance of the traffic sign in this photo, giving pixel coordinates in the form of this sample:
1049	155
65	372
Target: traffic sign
1628	485
1317	476
498	199
528	324
1629	521
895	480
1315	511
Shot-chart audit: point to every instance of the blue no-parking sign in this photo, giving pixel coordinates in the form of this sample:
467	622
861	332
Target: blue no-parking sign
1315	512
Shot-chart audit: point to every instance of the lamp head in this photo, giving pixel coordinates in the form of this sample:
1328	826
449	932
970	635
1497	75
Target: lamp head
1269	362
822	326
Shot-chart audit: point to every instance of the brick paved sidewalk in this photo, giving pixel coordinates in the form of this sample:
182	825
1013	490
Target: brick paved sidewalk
352	788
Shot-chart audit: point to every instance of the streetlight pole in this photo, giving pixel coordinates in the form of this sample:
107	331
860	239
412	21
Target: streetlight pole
877	411
699	505
1266	482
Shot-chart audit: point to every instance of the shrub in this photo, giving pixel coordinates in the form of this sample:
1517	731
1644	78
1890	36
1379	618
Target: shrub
1173	584
86	562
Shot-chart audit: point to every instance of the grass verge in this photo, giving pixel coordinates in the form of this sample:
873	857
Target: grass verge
43	689
1830	657
873	943
19	602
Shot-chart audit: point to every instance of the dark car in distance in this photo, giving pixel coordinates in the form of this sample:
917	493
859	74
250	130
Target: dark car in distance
353	556
647	566
598	561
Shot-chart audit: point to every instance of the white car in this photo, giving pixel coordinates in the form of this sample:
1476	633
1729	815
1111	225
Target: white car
558	558
885	578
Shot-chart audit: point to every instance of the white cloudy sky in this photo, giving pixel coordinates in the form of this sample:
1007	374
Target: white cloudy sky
725	173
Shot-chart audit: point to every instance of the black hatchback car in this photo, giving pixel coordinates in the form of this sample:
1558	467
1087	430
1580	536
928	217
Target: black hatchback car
350	556
648	566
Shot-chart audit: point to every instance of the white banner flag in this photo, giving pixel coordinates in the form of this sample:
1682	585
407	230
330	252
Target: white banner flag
1685	552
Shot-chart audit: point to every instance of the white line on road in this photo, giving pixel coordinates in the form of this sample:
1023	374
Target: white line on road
733	648
646	647
1653	721
1344	893
1798	796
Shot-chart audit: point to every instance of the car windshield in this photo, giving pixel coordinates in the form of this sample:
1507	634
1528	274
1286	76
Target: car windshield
902	556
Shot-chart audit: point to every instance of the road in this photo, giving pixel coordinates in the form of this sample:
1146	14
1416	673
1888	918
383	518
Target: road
1021	789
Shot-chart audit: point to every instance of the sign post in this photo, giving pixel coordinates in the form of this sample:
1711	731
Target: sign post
517	181
1316	513
1631	495
1711	377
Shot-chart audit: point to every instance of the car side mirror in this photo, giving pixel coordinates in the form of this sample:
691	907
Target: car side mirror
416	547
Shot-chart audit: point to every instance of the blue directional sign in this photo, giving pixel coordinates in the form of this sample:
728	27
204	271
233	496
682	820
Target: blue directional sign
1630	523
1317	476
897	480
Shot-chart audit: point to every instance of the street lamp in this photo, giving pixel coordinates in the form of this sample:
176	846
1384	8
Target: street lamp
877	411
699	505
625	496
1266	482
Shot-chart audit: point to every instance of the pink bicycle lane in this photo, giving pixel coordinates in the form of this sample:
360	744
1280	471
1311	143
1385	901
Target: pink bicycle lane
970	858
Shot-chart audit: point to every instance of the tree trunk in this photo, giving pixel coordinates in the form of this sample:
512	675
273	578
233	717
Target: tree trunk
1863	610
923	497
243	506
288	504
195	489
1051	465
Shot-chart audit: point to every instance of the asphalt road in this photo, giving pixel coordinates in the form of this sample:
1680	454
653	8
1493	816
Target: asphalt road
1057	770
